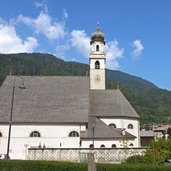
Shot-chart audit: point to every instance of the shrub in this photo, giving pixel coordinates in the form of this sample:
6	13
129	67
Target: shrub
161	144
131	167
135	159
23	165
157	153
156	156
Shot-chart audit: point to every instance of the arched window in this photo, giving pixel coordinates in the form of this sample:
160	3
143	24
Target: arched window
91	146
97	65
102	146
35	134
0	134
97	48
73	134
113	145
131	145
130	126
112	125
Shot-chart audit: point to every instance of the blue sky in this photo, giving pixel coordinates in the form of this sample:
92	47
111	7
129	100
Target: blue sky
137	32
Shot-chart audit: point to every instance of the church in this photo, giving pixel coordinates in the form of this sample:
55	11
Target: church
66	111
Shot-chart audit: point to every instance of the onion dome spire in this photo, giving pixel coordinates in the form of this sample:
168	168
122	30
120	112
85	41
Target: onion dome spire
97	35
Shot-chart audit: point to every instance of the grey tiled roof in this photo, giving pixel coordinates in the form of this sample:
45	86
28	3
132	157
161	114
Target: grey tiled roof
145	133
60	99
109	103
46	99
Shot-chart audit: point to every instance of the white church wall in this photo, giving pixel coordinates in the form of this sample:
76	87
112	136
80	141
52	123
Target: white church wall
98	143
123	123
107	143
55	136
52	136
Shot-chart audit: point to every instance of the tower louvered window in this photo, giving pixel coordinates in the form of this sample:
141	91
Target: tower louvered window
97	65
97	48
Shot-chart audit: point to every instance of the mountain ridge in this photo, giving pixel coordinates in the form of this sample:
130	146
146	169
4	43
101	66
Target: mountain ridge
128	78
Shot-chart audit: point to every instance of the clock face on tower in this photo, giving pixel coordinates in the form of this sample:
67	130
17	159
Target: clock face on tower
97	78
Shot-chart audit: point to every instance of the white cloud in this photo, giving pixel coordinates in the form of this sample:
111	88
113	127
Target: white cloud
65	14
73	59
61	49
43	24
138	49
10	42
81	42
113	53
42	5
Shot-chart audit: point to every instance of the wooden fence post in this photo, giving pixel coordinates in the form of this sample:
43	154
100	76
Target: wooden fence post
91	162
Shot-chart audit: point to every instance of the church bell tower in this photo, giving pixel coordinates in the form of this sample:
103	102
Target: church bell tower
97	60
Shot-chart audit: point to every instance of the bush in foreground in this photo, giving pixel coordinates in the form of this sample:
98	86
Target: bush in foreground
131	167
22	165
157	153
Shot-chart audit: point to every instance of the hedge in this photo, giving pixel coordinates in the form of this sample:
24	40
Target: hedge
23	165
131	167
